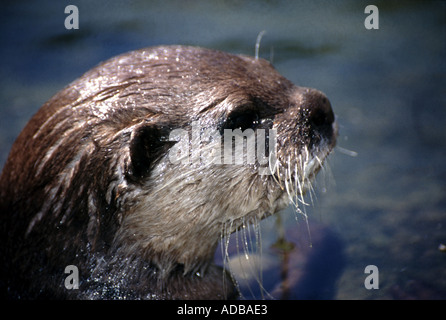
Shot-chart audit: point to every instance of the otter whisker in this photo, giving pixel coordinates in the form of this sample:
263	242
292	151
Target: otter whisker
225	239
287	183
257	48
347	152
274	169
250	260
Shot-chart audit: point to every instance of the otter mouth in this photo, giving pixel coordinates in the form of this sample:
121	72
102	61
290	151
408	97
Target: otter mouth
292	177
296	172
306	142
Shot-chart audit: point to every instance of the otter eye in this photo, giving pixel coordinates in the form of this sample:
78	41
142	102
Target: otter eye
241	119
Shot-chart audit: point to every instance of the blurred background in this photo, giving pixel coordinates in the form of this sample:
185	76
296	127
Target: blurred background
382	198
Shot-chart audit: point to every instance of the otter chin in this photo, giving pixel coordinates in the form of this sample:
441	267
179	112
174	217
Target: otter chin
106	175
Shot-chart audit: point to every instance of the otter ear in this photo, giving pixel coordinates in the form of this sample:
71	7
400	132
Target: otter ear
148	143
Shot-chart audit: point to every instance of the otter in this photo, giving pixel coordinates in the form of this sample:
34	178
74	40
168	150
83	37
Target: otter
90	181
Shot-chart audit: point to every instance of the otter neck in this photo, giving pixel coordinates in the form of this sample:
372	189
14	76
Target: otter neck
189	248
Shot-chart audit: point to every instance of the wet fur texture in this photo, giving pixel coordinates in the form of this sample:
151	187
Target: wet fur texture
89	183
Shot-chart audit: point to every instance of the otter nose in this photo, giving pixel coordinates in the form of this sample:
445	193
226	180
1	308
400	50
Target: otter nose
320	113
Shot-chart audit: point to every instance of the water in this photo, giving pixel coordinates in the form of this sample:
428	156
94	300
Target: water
386	206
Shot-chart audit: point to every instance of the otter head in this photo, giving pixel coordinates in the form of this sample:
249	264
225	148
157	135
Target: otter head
156	154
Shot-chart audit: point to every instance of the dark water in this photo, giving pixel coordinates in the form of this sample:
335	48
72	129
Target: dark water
382	202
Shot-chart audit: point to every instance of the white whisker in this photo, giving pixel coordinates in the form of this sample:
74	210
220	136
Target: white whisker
347	152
